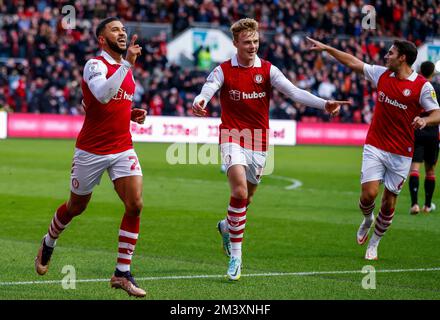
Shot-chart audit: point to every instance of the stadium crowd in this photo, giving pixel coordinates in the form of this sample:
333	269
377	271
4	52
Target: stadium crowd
41	63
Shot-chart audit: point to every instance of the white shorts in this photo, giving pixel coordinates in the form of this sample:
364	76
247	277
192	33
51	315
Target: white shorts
386	167
87	168
254	161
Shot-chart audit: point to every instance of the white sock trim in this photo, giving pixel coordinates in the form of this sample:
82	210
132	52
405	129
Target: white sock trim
123	267
127	234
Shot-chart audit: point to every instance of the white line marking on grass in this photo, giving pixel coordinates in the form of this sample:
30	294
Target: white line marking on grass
250	275
295	183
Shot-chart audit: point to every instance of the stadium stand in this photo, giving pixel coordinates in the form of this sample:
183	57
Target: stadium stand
40	62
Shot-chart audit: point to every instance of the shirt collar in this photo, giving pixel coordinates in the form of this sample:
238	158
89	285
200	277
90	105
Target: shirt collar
257	62
109	58
412	76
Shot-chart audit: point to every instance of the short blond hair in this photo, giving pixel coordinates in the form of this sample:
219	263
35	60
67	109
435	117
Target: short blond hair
246	24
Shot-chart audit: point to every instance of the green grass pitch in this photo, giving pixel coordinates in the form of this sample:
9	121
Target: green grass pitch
308	229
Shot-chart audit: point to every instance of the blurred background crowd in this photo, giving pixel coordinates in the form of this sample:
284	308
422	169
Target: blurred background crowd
41	63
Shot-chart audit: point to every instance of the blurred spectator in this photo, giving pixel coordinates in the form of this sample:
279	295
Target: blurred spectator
204	59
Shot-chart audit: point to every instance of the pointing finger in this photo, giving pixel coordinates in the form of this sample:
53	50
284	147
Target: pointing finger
133	39
342	102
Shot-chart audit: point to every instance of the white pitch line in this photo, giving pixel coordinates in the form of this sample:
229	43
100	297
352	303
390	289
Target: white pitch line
204	276
295	183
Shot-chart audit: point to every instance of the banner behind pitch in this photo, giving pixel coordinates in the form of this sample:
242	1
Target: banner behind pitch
3	124
155	129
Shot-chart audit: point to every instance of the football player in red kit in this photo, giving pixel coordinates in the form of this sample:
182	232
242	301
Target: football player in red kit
402	95
426	147
245	83
104	144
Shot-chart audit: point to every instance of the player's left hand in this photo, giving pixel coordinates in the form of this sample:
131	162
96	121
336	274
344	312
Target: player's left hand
138	115
333	106
198	108
418	123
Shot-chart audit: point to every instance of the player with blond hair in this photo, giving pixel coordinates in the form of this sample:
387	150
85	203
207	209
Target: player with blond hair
245	83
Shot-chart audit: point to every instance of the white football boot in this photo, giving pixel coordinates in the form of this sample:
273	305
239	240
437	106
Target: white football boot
429	209
234	269
371	253
226	242
415	209
364	228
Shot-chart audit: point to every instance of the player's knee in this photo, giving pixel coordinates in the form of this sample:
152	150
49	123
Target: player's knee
368	196
134	207
430	173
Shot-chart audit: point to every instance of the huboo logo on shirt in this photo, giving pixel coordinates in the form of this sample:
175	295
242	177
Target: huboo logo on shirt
237	95
123	95
384	98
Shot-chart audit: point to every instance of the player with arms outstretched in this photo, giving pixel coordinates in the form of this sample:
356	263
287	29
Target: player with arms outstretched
245	83
104	144
402	95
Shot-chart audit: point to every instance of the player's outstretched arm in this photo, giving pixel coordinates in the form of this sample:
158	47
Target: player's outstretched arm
347	59
282	84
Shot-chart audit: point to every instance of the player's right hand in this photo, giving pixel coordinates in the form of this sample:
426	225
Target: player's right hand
198	108
133	51
317	45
